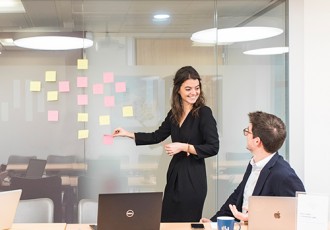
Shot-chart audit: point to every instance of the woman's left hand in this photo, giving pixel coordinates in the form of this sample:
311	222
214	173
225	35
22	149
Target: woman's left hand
173	148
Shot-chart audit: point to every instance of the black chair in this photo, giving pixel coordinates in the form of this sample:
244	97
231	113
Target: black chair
46	187
18	159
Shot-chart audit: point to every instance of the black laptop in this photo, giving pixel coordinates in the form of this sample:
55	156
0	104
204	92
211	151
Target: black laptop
133	211
35	169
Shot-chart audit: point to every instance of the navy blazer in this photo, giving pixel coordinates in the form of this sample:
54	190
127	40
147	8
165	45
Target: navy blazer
277	178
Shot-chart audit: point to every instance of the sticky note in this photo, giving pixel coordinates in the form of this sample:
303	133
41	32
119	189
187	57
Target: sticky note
108	139
127	111
82	117
83	134
50	76
104	120
82	82
82	64
35	86
82	99
109	101
98	89
52	96
108	77
120	87
52	115
64	86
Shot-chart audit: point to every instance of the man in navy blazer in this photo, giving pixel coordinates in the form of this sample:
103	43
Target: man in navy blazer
267	174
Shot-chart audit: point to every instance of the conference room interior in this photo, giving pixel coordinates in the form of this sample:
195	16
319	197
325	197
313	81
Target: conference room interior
129	77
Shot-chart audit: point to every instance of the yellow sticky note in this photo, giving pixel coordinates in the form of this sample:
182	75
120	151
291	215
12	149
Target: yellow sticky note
82	117
35	86
52	95
82	64
127	111
83	134
104	120
50	76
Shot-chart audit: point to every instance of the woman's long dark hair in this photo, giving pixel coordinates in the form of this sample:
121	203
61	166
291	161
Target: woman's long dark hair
183	74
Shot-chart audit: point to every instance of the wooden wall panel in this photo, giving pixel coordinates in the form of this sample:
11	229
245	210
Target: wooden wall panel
174	52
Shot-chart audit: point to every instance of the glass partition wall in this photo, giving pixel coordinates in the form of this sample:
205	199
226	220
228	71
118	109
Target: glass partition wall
68	103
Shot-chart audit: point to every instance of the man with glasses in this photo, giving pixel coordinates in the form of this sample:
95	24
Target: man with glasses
267	174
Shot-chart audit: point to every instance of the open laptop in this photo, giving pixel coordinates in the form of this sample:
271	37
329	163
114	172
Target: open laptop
35	169
9	202
272	213
133	211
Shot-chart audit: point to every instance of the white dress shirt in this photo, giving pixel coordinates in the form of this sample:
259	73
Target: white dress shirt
253	178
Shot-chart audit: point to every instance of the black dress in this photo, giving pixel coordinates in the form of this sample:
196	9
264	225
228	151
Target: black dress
186	186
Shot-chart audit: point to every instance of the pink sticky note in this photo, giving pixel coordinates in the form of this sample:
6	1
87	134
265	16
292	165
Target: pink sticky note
120	87
108	77
82	99
82	82
98	89
52	115
108	139
109	101
63	86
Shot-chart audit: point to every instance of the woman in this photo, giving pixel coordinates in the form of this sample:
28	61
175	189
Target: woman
194	135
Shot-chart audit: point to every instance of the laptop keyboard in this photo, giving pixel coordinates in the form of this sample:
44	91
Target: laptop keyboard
93	226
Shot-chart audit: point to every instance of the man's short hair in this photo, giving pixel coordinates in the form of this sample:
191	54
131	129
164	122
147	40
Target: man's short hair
269	128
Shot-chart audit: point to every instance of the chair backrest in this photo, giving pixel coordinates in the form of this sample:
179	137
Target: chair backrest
61	159
17	159
39	210
87	211
46	187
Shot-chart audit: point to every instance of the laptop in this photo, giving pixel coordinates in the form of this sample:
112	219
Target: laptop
9	202
272	213
35	169
133	211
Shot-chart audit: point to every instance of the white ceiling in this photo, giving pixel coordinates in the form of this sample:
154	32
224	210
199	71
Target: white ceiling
128	16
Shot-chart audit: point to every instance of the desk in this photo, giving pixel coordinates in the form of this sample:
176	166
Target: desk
51	167
52	226
163	226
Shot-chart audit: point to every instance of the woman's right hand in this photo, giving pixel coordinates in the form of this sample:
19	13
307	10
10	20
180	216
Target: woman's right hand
120	132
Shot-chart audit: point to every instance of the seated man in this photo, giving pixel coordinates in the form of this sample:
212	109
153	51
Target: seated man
268	174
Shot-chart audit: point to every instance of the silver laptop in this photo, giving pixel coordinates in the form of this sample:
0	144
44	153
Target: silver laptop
9	202
35	169
272	213
133	211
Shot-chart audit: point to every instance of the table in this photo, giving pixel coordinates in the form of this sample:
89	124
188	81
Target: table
41	226
163	226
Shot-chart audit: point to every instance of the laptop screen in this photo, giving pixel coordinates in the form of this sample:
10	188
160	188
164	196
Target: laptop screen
9	202
133	211
35	169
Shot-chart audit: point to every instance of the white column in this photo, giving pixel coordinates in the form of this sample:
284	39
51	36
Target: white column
309	92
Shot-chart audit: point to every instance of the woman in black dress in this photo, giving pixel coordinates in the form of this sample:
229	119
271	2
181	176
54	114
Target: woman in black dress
194	135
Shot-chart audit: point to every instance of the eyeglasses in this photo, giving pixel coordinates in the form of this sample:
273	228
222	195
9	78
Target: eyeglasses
246	131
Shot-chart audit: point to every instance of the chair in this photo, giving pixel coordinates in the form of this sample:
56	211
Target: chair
17	159
87	211
35	211
46	187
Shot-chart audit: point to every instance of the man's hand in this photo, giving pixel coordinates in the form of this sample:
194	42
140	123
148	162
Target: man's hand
205	220
238	215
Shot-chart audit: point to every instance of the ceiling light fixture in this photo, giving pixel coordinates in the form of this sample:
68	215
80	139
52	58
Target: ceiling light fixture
53	42
268	51
11	6
161	17
235	34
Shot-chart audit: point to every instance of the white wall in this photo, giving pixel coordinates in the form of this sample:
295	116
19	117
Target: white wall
310	92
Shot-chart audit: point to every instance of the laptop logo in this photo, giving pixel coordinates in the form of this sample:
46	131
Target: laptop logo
129	213
277	215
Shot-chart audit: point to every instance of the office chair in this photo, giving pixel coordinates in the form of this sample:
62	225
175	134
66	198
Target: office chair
46	187
87	211
35	211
